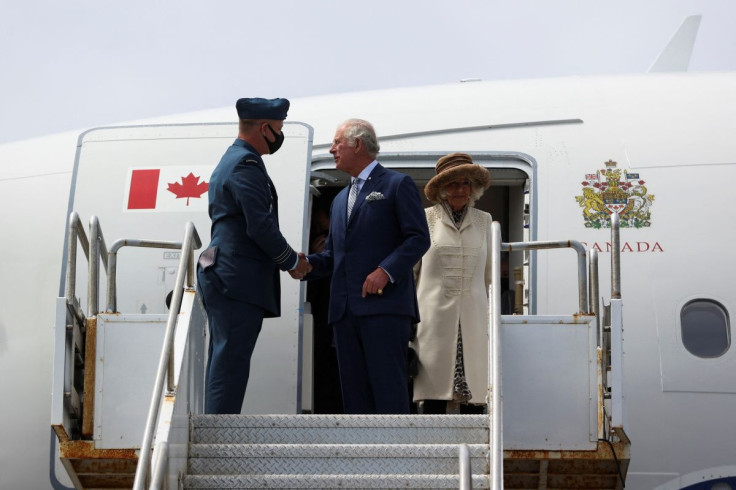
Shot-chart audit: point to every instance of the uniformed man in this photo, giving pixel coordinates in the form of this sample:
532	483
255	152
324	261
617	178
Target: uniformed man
238	275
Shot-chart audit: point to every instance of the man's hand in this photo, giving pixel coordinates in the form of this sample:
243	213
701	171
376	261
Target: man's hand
375	282
303	267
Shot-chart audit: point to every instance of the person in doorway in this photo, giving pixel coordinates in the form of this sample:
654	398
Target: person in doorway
452	286
508	293
377	233
327	394
238	274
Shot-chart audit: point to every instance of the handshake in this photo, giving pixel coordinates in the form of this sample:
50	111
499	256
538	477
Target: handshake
303	267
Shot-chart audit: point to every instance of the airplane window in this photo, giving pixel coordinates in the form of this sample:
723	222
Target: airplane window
706	331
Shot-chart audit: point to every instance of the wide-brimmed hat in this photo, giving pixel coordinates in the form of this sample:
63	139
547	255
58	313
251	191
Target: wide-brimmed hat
453	167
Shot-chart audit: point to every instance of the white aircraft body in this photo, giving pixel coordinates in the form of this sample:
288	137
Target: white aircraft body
658	149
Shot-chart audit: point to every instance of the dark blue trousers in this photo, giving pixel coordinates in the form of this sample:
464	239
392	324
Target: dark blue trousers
234	328
371	355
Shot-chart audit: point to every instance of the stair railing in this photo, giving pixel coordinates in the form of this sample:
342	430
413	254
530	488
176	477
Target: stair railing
94	250
73	361
610	333
615	327
594	292
466	479
495	388
97	250
76	234
615	257
185	271
579	248
113	263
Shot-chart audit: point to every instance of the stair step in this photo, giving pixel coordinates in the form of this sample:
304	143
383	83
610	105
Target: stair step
330	481
335	451
339	429
379	459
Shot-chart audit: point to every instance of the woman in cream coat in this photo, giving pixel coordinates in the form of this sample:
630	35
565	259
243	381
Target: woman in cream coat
452	288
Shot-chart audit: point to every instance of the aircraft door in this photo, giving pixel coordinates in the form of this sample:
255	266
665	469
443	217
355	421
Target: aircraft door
509	201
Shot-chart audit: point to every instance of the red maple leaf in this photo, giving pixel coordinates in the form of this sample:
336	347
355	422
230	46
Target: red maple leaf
189	187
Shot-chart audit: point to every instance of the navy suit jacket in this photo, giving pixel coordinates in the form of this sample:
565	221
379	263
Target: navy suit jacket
247	249
388	230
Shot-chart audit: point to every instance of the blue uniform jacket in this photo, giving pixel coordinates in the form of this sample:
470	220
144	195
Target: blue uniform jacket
388	228
247	249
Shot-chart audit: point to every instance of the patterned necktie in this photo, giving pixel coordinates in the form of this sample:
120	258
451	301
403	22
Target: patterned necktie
353	195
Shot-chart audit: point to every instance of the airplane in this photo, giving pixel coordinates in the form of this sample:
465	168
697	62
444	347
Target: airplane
565	154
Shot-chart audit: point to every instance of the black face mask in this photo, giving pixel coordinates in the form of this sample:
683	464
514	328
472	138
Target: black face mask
273	146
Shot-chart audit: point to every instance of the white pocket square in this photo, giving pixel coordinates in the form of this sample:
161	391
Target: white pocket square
374	196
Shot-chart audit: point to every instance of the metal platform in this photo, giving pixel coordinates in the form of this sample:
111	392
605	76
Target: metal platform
378	451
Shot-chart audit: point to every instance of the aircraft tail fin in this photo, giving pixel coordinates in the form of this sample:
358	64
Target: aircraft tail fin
676	55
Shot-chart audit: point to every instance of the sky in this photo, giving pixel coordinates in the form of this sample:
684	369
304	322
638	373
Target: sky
78	64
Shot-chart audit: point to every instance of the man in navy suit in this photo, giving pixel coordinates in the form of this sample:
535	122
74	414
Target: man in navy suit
238	274
378	231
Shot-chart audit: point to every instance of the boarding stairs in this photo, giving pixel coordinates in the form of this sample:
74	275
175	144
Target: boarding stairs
187	449
335	451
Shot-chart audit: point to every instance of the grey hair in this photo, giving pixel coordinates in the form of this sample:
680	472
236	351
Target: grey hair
475	194
363	130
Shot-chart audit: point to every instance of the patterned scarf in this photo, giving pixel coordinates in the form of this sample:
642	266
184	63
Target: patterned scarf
457	216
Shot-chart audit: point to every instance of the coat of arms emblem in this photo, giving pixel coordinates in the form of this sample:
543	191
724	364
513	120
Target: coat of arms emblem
606	192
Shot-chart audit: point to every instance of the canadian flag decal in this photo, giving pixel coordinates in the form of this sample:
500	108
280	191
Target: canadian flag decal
143	189
189	187
169	189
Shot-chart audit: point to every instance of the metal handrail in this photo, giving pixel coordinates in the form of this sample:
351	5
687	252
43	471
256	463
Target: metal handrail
604	317
594	291
185	271
618	412
94	249
97	250
582	266
76	329
588	291
159	466
76	233
112	276
113	263
495	386
466	479
615	258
